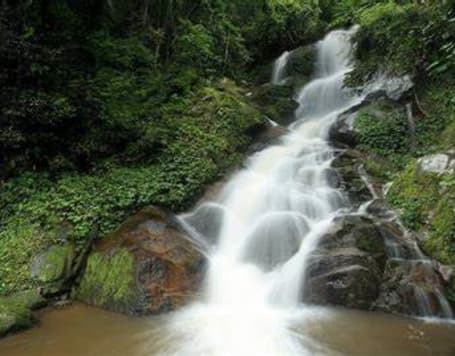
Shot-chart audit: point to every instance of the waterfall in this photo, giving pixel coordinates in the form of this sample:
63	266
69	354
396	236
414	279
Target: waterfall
266	222
279	68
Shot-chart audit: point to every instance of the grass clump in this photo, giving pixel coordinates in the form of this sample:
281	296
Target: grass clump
427	204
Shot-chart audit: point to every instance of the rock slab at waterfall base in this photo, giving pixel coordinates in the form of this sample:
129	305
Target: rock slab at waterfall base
147	266
346	268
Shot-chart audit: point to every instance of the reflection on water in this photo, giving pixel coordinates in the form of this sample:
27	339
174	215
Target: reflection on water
84	331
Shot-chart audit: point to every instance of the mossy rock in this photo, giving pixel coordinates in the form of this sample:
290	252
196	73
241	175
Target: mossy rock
342	276
109	281
358	232
147	266
301	62
16	311
276	102
53	264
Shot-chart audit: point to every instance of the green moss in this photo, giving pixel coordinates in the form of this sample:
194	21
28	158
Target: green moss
54	264
381	128
18	244
378	167
109	281
427	204
382	131
276	102
415	194
16	311
441	243
391	32
370	244
301	62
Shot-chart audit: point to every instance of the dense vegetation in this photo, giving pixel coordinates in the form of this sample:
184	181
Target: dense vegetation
108	106
86	81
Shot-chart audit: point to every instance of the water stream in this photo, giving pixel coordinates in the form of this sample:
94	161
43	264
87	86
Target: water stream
267	221
279	67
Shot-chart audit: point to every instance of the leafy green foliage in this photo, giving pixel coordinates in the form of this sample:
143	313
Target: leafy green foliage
209	129
441	243
382	128
406	193
382	134
392	32
427	203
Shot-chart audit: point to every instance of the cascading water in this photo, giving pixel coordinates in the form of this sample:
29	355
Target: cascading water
260	232
279	67
265	224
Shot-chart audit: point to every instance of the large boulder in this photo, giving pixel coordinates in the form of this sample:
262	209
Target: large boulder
360	232
149	265
346	268
392	87
343	276
298	69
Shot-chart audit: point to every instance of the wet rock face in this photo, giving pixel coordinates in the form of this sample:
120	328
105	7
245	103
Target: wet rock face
269	136
147	266
346	269
368	263
342	134
411	287
347	164
343	276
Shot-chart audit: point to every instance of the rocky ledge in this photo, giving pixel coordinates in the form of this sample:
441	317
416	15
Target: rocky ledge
369	260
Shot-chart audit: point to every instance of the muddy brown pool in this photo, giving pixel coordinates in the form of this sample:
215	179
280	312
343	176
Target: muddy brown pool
82	331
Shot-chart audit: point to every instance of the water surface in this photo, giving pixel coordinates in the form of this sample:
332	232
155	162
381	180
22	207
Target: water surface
83	331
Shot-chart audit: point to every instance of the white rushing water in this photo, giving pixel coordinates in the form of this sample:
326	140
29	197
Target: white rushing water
264	225
279	68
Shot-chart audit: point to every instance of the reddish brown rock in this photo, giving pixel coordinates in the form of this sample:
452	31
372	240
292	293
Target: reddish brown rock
147	266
